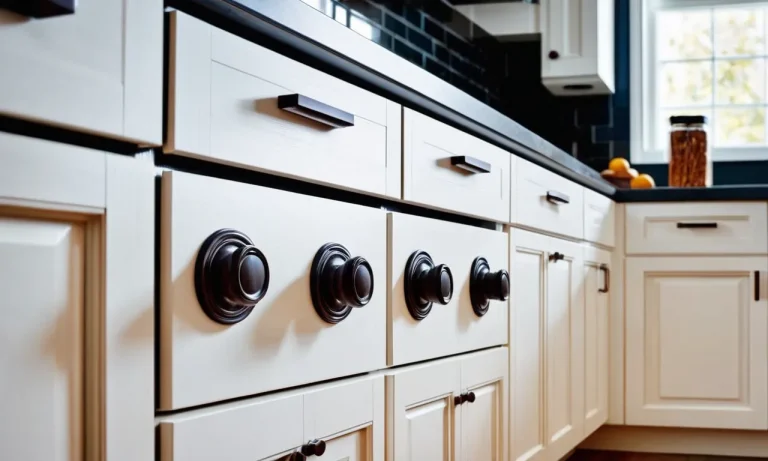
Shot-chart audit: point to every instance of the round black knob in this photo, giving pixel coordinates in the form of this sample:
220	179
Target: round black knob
469	397
339	282
554	54
296	456
458	400
313	448
485	285
556	256
231	276
425	284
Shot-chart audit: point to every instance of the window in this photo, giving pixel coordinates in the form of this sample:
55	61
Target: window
342	14
703	57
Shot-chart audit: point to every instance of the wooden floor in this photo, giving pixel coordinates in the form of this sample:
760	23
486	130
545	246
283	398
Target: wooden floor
589	455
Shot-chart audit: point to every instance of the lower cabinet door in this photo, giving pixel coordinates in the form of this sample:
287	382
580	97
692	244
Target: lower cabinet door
597	285
41	350
696	352
422	414
341	422
484	410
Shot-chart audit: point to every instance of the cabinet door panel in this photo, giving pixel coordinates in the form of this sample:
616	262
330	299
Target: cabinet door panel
526	365
422	414
484	421
696	343
564	334
41	340
596	307
349	447
565	32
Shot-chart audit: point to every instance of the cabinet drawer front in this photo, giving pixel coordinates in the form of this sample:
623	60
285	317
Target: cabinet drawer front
684	228
270	427
543	200
454	327
283	341
224	107
98	69
599	219
446	168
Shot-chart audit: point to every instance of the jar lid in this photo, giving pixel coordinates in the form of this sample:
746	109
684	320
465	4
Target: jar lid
687	119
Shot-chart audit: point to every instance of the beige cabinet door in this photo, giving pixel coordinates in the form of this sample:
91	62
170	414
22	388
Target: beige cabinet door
41	339
421	413
696	352
564	358
597	280
484	379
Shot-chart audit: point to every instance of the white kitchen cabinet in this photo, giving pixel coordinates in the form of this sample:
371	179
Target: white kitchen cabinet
99	69
546	346
452	409
696	351
346	418
76	277
597	285
577	46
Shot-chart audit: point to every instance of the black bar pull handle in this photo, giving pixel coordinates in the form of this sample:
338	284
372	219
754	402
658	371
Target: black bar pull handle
557	198
315	110
607	283
40	8
697	225
757	285
471	164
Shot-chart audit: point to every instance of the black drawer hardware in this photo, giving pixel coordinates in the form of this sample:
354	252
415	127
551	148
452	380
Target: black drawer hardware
339	282
471	164
485	285
464	398
757	285
556	256
557	198
697	225
231	276
425	284
607	283
39	8
313	448
315	110
296	456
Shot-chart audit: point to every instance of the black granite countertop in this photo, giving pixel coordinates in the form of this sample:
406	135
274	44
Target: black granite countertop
298	31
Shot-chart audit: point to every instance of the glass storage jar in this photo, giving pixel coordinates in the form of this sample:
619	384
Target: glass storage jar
690	158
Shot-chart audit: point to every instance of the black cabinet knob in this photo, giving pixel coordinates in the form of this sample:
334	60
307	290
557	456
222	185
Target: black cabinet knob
469	397
313	448
554	54
458	400
39	8
231	276
485	285
556	256
296	456
425	284
339	282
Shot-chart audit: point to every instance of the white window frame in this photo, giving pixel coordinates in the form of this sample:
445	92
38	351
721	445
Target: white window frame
642	64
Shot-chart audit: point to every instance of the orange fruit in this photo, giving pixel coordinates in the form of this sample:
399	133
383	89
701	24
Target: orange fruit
626	174
642	181
618	165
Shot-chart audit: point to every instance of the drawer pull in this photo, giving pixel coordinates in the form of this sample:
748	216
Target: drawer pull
757	285
471	164
556	256
425	284
485	285
313	448
40	8
697	225
607	283
231	276
339	282
557	198
315	110
464	398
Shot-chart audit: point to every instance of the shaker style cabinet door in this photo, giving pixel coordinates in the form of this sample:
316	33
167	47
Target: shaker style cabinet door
546	357
41	339
95	66
696	352
597	285
484	407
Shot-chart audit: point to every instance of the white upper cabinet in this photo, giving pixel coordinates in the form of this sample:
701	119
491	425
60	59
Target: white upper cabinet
98	69
577	46
696	352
